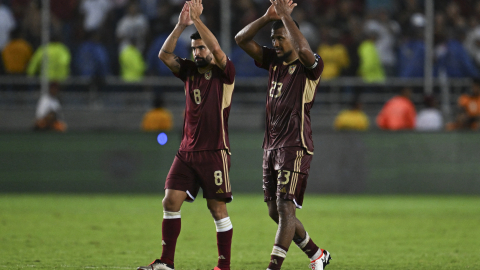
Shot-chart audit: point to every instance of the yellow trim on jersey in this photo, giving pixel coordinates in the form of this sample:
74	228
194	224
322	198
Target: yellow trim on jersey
286	64
308	94
296	170
228	188
227	100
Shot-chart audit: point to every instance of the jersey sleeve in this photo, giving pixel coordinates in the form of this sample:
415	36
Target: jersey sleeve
229	72
268	57
185	66
314	72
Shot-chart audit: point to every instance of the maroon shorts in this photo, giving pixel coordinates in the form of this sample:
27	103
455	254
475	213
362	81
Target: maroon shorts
285	173
208	170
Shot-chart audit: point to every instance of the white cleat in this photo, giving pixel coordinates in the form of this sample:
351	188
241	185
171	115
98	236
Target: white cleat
156	265
322	261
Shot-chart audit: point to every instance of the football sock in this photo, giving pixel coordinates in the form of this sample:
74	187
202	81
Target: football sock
277	257
224	242
171	225
308	246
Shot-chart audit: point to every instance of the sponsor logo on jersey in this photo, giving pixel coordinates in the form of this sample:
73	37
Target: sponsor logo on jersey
291	69
283	190
208	75
220	191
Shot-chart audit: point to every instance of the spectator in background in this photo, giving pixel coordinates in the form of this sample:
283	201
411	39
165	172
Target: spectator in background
149	8
243	63
161	24
454	18
58	60
453	58
31	23
411	53
352	119
468	116
132	29
19	8
157	67
7	24
94	13
132	65
158	118
16	54
370	69
430	118
352	40
407	9
63	15
472	44
48	110
386	31
398	113
334	54
91	58
308	30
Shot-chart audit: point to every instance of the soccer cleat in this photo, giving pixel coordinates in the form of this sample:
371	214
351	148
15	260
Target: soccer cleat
156	265
322	261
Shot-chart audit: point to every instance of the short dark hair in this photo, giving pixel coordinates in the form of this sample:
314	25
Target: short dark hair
195	36
279	24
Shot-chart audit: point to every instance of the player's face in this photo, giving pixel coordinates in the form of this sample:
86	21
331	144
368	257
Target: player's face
281	43
201	53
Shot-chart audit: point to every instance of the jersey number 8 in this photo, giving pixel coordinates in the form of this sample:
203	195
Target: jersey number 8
197	96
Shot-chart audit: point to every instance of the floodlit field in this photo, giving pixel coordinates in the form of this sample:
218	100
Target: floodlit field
123	232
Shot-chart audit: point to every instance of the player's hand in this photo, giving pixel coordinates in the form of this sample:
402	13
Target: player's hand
196	9
184	17
271	14
283	7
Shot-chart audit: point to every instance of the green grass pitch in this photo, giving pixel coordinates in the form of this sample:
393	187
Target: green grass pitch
124	231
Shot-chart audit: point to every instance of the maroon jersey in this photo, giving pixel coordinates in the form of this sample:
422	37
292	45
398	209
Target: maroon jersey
291	93
207	106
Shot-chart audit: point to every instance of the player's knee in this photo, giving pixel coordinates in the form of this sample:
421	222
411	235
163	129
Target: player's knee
170	204
285	208
218	209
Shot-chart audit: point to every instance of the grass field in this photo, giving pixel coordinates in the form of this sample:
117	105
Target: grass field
122	232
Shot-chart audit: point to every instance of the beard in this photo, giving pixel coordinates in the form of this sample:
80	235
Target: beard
203	62
285	56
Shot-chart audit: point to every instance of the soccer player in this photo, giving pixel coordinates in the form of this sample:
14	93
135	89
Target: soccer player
203	159
294	75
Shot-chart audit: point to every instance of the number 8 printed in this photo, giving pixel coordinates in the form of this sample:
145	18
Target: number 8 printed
197	96
218	178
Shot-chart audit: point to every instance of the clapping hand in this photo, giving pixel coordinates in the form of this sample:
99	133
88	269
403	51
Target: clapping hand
184	17
282	7
196	8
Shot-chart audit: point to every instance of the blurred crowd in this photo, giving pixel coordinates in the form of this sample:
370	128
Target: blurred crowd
373	39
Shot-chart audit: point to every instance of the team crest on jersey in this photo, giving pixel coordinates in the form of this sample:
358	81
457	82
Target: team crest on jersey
208	75
291	69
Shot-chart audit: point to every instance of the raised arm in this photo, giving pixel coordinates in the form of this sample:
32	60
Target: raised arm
244	38
305	54
211	42
166	52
